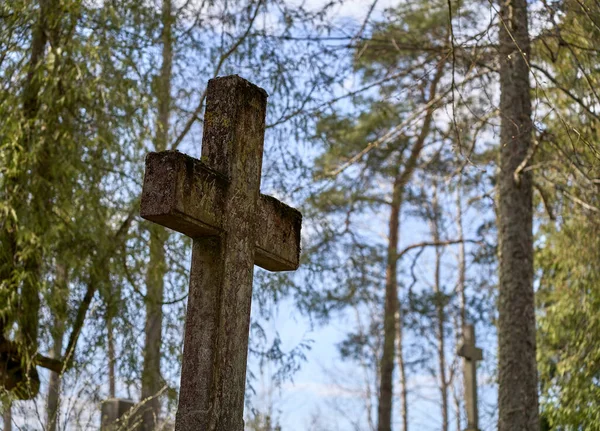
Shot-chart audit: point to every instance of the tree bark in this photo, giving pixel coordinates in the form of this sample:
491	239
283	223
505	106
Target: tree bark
53	402
517	371
440	308
151	376
112	299
60	316
7	415
386	387
112	390
462	266
462	306
402	370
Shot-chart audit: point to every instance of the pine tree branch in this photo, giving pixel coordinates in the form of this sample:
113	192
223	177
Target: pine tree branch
565	90
424	244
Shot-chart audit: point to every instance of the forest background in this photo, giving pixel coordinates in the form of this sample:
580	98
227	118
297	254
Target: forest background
386	127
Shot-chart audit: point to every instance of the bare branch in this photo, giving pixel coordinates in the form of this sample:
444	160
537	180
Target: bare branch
424	244
222	59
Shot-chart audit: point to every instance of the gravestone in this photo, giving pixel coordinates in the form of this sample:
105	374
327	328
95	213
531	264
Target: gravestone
471	355
119	414
216	201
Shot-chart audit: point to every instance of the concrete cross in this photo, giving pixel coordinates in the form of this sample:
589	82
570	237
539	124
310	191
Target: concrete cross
216	200
471	355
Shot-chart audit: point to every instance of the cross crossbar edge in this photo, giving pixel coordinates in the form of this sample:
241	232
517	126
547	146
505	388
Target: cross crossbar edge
183	194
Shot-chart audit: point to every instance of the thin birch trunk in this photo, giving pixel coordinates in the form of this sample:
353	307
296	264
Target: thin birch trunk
457	407
462	303
402	371
58	331
112	391
53	402
364	365
462	267
440	309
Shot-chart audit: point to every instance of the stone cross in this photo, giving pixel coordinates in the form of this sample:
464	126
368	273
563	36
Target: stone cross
471	355
216	201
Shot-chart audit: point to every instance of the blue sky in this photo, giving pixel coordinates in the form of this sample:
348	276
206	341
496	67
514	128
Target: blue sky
326	387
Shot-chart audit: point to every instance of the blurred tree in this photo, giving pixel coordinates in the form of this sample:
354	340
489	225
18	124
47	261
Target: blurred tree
58	163
84	78
261	422
567	166
370	158
569	297
157	266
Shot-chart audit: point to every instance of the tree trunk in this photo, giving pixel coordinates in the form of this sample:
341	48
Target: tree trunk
29	298
7	415
112	391
112	299
384	410
462	306
53	402
456	397
517	372
366	365
151	376
462	266
386	387
402	370
61	293
440	309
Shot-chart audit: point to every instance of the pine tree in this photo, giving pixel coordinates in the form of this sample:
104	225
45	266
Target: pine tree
517	371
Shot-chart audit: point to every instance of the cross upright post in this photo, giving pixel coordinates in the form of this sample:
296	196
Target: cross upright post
471	355
217	202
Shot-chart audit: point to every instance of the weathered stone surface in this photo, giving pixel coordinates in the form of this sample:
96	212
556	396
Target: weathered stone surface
278	241
471	355
184	194
216	201
470	352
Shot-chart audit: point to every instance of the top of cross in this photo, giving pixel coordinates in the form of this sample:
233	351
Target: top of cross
197	197
468	350
217	201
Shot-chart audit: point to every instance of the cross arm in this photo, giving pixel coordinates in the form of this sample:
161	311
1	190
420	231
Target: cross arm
278	235
184	194
470	353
